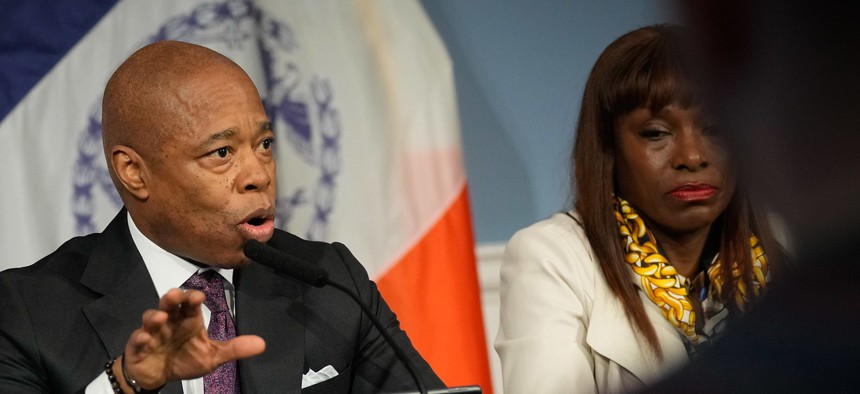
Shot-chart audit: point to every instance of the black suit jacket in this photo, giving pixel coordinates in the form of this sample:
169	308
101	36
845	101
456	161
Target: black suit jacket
65	316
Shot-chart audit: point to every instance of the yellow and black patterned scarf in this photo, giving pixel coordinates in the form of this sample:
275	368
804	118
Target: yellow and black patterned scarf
664	286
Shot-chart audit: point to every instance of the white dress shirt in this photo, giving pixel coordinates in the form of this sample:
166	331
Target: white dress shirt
168	271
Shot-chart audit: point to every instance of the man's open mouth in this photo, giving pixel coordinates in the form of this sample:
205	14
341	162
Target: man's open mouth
256	221
258	225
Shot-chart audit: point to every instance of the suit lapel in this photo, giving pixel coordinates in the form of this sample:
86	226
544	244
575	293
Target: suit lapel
612	336
270	306
117	271
670	339
267	305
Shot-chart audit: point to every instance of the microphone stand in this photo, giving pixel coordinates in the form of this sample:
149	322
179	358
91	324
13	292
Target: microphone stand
291	266
397	350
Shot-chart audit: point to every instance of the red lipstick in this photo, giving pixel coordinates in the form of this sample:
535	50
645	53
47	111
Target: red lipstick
693	192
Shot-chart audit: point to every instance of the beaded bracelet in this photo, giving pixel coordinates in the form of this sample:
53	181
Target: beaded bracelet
109	372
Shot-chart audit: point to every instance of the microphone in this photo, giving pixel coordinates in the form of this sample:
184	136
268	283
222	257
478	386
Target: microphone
289	265
285	263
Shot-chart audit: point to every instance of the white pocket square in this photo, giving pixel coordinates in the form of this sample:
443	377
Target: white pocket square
311	378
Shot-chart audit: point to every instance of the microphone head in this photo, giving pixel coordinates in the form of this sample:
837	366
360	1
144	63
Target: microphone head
254	249
284	263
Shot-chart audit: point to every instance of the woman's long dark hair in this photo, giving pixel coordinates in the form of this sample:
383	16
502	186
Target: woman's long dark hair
644	68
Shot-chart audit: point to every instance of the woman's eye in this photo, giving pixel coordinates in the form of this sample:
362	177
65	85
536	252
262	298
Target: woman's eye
653	134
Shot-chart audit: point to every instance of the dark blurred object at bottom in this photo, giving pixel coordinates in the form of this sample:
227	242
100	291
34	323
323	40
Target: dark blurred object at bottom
785	79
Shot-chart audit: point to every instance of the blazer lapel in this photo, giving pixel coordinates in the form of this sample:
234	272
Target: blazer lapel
669	337
612	336
267	305
674	350
270	306
117	271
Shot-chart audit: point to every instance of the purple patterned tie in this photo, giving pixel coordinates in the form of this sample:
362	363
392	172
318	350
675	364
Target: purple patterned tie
223	379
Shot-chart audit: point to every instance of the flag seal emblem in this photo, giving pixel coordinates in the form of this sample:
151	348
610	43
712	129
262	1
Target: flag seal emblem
302	109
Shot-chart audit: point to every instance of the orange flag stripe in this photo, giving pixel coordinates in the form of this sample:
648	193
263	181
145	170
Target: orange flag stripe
435	292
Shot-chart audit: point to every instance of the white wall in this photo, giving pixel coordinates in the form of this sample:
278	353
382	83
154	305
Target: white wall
519	69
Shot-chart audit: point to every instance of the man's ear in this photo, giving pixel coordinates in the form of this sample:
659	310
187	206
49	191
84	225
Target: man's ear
130	171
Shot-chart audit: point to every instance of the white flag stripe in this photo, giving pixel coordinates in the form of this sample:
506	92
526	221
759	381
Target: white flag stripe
390	90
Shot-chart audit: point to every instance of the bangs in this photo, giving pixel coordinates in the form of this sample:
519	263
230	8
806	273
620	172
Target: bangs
649	73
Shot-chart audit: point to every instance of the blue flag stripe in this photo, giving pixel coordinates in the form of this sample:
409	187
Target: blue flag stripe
35	35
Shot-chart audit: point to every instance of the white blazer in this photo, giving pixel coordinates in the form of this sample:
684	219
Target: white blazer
562	330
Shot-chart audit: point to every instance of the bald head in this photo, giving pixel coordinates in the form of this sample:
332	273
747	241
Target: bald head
147	98
158	94
189	148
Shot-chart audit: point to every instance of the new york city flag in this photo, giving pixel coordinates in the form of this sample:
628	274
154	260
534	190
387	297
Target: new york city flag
361	94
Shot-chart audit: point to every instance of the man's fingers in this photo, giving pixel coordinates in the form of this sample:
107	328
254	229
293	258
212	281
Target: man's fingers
181	304
175	298
173	343
153	319
140	339
171	300
174	320
243	346
191	305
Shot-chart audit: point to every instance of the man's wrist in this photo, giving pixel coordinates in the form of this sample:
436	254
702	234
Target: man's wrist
131	383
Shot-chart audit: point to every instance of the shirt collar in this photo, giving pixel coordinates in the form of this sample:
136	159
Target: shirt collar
168	270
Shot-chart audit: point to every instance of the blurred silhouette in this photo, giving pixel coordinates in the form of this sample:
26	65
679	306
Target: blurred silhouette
785	80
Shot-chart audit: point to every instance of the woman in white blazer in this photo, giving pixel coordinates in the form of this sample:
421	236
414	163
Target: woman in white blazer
662	251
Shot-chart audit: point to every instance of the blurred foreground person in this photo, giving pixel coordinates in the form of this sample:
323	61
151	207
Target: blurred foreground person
787	78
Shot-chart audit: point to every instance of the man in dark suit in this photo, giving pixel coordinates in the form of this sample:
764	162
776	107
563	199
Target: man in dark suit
189	146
